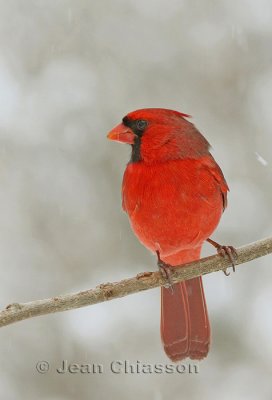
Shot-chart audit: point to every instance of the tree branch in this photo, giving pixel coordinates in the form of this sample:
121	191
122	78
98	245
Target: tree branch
147	280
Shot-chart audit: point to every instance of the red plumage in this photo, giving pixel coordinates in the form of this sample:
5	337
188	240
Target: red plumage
174	194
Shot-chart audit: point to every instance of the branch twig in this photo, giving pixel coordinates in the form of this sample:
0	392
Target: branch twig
147	280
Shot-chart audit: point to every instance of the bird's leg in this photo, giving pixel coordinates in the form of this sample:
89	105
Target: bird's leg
225	251
165	270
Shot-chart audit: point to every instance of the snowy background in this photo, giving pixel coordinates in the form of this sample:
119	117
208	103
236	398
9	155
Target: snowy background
69	71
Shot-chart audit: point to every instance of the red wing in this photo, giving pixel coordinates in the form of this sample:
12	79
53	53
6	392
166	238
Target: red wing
216	172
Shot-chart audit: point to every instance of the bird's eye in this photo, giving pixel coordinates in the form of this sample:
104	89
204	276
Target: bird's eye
141	124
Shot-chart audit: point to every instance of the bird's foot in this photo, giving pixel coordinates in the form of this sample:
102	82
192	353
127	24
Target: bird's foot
225	252
165	270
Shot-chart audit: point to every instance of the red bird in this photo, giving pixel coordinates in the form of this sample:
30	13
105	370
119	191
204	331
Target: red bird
174	194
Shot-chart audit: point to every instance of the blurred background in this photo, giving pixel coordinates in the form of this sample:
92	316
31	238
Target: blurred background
69	71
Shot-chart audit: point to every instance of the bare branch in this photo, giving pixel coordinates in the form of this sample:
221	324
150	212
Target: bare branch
147	280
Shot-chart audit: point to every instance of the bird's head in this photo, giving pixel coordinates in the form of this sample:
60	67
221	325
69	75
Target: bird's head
158	135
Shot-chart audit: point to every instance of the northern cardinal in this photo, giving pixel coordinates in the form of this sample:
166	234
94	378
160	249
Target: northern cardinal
174	194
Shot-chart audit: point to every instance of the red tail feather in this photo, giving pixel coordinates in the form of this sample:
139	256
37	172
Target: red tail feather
185	328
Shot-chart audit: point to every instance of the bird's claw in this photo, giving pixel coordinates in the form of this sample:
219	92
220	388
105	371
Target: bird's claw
165	270
229	252
226	252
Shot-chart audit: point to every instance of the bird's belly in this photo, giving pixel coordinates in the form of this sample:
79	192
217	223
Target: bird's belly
180	226
172	215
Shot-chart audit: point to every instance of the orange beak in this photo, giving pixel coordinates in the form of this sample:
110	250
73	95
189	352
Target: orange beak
122	134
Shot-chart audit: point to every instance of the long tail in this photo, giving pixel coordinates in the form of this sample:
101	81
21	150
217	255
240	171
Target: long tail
185	328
